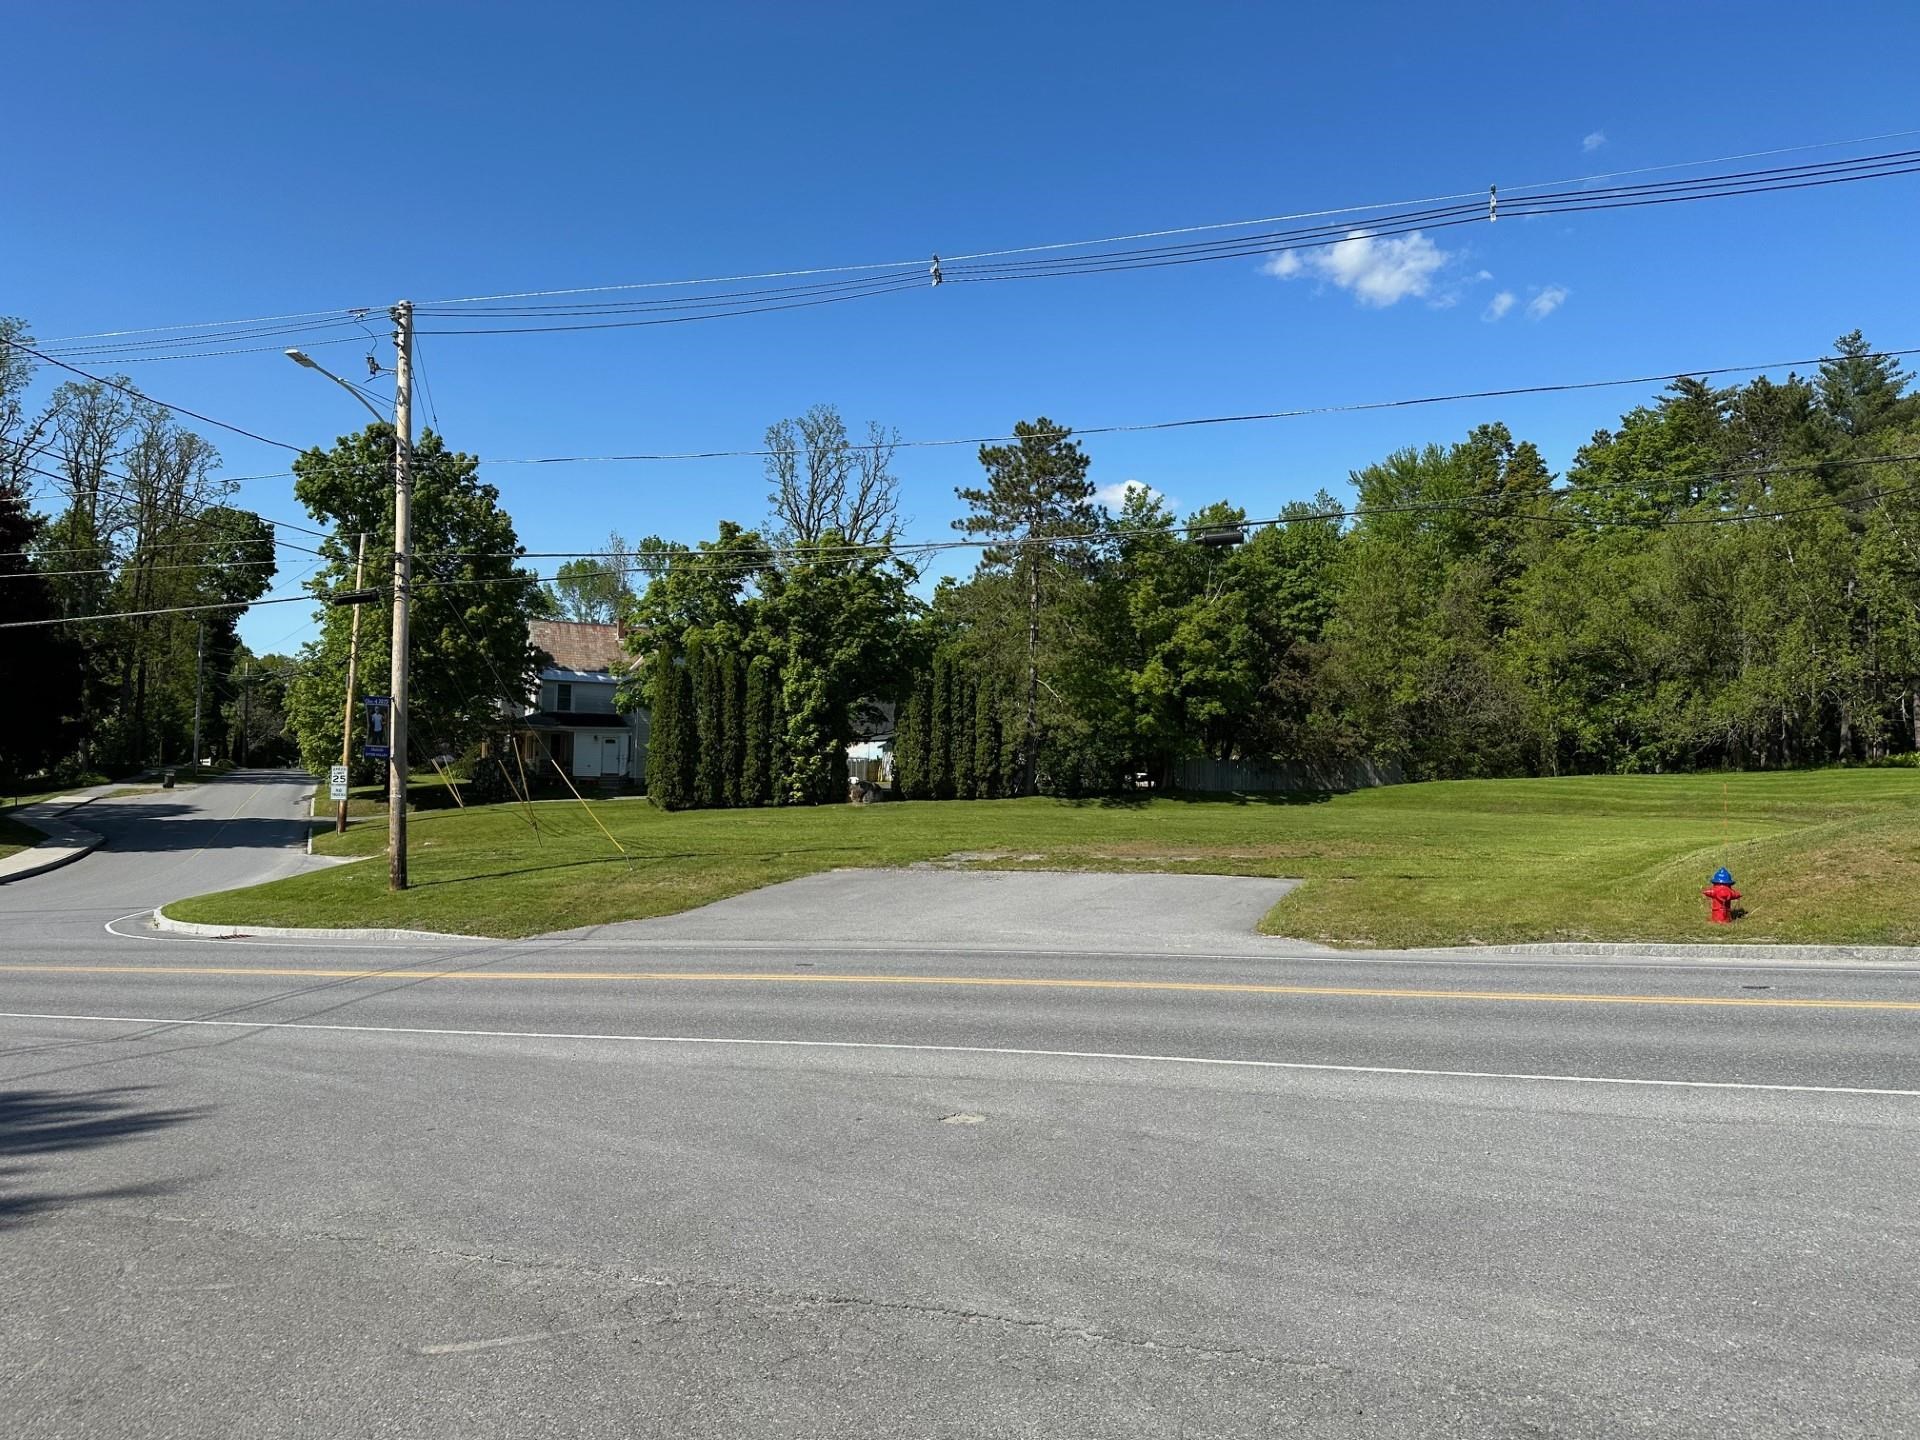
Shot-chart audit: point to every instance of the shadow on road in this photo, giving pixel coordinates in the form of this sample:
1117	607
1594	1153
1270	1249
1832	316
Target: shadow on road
132	829
52	1122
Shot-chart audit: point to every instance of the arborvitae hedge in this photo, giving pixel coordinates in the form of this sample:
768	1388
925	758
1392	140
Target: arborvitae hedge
939	731
732	737
756	763
670	739
960	731
910	754
987	780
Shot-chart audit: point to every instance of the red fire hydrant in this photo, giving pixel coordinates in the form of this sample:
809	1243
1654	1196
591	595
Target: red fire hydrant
1720	897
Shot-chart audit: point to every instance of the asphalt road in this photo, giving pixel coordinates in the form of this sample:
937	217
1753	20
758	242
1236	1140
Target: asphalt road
701	1181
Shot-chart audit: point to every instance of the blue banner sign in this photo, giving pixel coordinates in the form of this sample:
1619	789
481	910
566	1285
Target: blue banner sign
379	711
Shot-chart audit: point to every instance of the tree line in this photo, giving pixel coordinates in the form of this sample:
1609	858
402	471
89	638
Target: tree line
115	521
1725	577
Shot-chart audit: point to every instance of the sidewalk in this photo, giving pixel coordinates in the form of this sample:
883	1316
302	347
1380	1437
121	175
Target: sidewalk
65	842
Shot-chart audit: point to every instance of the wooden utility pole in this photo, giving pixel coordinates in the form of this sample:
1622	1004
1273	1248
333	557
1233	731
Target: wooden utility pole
246	713
402	572
353	670
199	662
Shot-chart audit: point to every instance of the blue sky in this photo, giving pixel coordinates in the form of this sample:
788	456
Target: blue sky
188	162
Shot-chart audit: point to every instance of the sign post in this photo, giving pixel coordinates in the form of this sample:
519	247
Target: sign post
379	711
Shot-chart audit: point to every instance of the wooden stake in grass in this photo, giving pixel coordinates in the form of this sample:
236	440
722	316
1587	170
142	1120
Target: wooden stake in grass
561	770
446	777
512	790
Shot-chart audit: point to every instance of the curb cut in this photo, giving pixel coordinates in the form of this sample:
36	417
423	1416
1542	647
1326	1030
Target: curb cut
160	920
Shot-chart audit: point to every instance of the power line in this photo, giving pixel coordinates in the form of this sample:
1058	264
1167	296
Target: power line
260	332
903	269
432	409
165	610
70	484
338	311
1490	507
650	559
895	282
889	287
274	540
138	395
918	263
1195	422
145	569
206	354
1704	187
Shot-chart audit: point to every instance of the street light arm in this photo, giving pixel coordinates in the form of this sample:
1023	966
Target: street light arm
300	357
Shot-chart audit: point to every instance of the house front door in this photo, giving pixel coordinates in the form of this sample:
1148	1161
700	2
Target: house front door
586	756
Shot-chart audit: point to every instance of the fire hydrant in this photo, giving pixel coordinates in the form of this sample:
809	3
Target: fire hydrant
1720	897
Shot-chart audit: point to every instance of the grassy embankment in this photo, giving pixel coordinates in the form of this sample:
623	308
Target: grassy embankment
1823	856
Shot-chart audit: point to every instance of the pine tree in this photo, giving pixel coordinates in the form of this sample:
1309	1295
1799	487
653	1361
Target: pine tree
756	776
1036	489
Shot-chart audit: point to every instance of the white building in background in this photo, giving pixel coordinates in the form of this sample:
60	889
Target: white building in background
572	721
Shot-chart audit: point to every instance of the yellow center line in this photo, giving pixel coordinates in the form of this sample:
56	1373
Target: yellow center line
1207	987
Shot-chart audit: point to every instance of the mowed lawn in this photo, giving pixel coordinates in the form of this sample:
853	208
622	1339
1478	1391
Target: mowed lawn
15	837
1822	856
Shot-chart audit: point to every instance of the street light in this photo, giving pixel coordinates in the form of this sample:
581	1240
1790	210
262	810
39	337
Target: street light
300	357
402	586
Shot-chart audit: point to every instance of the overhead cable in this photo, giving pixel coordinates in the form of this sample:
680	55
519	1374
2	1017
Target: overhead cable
152	400
1196	422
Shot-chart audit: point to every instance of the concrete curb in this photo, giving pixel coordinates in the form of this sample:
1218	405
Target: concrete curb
163	921
64	844
1757	953
1614	949
58	849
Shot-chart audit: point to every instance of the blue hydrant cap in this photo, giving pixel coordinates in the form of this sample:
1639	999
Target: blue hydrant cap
1723	876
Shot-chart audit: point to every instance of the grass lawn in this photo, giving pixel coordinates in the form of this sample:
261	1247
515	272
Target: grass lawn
426	790
1822	856
15	836
17	802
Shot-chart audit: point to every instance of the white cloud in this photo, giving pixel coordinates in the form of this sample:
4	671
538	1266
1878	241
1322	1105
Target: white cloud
1546	302
1378	272
1114	497
1498	306
1593	142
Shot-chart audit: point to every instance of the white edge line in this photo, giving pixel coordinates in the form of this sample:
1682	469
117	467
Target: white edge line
1009	1051
427	940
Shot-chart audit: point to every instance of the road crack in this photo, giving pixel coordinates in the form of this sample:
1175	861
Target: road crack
704	1296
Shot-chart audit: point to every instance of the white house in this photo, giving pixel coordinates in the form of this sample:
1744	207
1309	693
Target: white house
572	721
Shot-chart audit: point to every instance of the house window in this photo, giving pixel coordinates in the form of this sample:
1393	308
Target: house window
564	701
